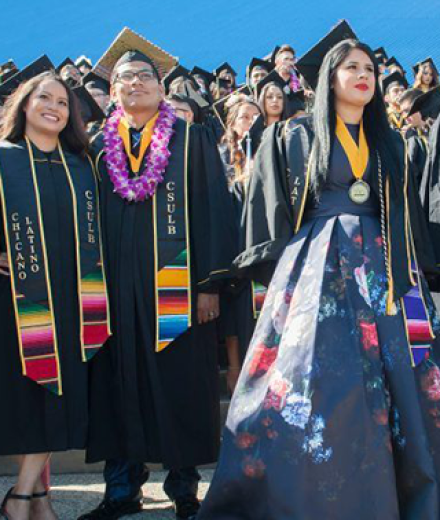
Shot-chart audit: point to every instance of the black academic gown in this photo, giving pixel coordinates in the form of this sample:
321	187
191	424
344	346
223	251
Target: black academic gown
34	420
148	406
417	147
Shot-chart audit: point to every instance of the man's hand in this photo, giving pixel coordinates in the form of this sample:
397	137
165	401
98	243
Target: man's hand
4	264
207	307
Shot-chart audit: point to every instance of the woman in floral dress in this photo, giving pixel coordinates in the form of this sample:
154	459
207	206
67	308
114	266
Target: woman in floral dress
336	414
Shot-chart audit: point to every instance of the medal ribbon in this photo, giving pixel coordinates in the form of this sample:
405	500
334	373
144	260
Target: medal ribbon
356	155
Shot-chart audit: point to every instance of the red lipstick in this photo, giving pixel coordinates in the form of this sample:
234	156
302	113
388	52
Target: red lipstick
362	86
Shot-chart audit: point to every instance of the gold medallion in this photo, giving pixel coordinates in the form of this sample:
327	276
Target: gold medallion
359	192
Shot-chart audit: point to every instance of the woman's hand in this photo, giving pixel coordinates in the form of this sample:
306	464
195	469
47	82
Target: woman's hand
208	308
4	264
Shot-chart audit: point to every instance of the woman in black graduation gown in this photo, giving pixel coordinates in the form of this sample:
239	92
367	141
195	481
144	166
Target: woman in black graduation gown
333	405
49	238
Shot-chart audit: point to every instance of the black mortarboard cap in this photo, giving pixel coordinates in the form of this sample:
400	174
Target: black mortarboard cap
177	72
258	62
395	77
94	81
38	66
220	106
206	75
311	62
90	110
65	62
196	109
394	61
428	104
83	60
417	66
273	55
381	54
224	66
273	77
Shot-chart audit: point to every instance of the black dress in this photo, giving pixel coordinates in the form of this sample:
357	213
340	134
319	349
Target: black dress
35	420
148	406
329	419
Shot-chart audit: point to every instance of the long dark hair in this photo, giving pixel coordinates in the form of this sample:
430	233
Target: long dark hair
262	101
73	136
378	133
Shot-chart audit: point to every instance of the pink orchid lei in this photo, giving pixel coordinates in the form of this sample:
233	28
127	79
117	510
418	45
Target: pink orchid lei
138	188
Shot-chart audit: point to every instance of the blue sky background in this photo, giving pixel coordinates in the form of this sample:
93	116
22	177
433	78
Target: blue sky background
207	33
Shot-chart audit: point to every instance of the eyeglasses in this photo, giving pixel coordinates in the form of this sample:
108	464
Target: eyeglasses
129	75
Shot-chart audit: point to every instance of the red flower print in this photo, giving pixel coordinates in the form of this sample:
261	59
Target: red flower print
379	241
272	434
262	359
358	240
245	440
280	386
431	384
370	340
381	417
266	422
274	401
253	468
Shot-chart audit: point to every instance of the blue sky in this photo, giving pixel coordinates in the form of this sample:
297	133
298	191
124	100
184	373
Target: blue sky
204	33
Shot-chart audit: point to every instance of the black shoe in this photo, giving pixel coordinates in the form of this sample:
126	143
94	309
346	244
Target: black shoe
186	508
10	495
112	509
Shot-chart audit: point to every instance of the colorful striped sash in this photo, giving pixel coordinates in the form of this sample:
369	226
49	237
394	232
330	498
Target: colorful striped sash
258	296
28	260
417	321
172	249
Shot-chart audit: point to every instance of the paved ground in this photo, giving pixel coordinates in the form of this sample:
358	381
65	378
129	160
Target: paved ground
76	494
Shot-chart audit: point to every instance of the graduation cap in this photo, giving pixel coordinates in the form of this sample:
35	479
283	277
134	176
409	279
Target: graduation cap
4	76
92	80
273	55
224	66
196	109
128	40
393	62
90	110
395	77
381	54
427	61
428	104
83	60
207	76
272	77
65	62
222	106
38	66
311	62
258	62
177	72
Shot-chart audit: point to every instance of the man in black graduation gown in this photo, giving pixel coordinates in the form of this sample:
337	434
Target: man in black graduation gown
150	404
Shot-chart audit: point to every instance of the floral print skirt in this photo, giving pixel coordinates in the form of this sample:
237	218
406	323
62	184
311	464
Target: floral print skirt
330	420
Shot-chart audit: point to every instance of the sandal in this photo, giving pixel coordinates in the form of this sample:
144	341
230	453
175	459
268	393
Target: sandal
10	495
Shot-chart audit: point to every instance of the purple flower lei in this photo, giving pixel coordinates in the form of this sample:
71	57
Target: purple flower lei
139	188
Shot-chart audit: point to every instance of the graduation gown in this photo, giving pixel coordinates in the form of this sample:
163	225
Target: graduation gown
417	146
34	419
161	407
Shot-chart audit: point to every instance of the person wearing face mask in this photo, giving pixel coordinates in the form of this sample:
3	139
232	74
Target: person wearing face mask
426	75
334	396
53	297
169	237
393	86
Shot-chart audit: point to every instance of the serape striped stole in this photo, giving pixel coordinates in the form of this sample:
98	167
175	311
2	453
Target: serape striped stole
30	271
172	247
417	321
258	296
